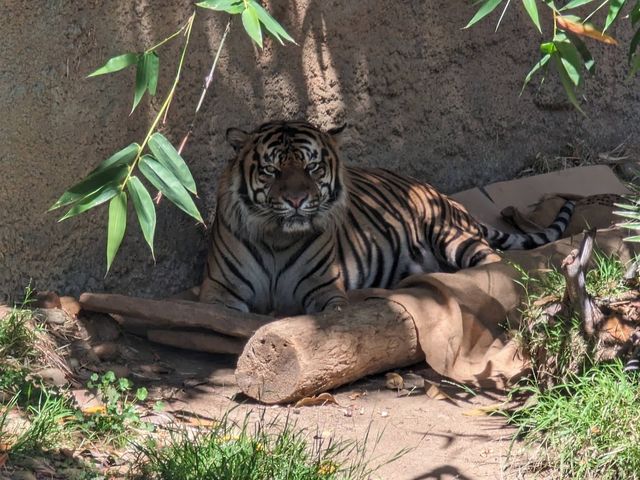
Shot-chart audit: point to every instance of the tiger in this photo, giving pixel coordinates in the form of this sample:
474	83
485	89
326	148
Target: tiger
295	228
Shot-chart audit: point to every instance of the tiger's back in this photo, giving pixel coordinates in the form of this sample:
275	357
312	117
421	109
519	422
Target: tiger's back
295	228
396	226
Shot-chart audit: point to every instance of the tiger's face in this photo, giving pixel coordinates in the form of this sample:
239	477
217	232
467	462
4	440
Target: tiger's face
287	177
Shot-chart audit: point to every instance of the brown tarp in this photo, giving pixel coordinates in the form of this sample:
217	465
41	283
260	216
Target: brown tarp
461	317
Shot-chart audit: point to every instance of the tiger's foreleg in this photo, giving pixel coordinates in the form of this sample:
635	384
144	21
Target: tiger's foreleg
322	293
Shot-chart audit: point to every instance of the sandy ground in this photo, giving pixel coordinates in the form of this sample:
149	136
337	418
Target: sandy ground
444	440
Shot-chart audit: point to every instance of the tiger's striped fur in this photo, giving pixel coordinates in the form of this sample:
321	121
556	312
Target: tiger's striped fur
295	228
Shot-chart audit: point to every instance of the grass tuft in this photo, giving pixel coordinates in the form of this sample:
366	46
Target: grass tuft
587	427
253	451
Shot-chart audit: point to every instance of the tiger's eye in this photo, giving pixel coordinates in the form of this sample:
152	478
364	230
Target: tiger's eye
269	170
313	167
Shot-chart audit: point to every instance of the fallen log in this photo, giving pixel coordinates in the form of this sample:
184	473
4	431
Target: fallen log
176	314
299	356
199	341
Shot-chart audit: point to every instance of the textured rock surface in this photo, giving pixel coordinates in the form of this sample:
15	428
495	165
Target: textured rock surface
421	94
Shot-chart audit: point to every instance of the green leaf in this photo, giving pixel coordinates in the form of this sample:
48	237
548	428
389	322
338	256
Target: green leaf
575	4
115	64
117	225
635	13
630	225
632	215
270	23
635	64
229	6
153	68
487	7
122	157
614	10
165	181
145	209
541	63
104	194
633	46
633	239
571	60
142	394
168	156
588	60
141	81
91	184
251	24
532	9
567	83
548	48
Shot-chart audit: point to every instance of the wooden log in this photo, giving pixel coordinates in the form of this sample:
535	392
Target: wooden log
199	341
300	356
161	314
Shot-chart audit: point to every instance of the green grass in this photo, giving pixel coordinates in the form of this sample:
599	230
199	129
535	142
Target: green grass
255	451
587	427
17	338
606	279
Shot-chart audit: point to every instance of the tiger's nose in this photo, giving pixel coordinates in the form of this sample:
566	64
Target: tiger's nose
295	199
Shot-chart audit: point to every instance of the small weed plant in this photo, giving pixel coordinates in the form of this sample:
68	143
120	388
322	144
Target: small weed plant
118	417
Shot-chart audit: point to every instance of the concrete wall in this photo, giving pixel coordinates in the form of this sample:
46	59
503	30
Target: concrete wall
422	96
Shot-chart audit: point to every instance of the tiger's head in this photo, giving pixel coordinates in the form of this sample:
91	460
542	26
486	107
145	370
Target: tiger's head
286	178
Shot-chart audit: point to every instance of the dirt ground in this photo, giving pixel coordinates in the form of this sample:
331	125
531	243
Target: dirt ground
445	440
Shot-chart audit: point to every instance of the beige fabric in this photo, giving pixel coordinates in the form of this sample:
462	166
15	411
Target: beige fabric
460	317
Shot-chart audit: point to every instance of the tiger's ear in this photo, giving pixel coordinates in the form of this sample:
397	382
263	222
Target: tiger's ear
336	133
237	138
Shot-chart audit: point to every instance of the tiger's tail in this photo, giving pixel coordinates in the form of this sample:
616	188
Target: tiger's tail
526	241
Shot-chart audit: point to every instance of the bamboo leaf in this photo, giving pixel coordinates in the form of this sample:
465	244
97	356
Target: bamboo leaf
588	60
168	156
487	7
630	225
164	180
251	24
584	30
571	60
229	6
122	157
141	81
541	63
117	225
270	23
635	13
145	209
91	184
633	46
567	82
115	64
153	69
614	10
532	9
104	194
575	4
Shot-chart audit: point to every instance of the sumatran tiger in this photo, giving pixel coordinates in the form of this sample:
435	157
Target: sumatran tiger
295	228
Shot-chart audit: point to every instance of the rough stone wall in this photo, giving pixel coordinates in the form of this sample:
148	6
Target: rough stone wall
421	95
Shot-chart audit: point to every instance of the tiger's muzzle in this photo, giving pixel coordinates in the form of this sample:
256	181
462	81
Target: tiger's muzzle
294	198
